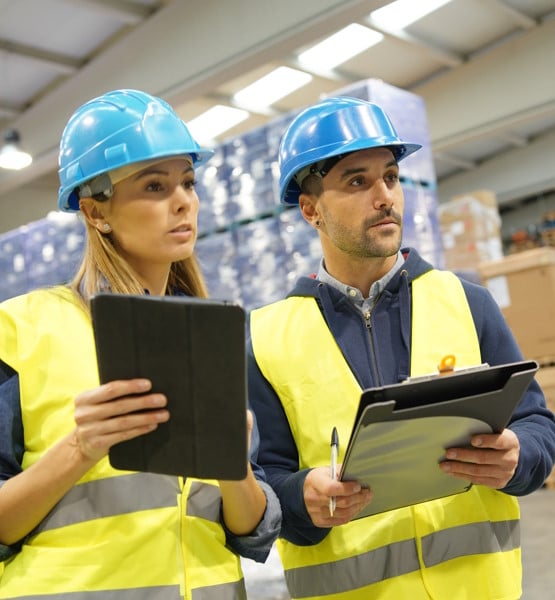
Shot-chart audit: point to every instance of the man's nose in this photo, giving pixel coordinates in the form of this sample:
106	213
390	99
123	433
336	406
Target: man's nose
383	195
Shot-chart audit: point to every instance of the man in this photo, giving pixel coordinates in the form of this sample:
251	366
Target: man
375	315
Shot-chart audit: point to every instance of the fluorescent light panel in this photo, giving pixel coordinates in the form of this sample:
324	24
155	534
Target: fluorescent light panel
340	47
269	89
215	121
401	13
14	159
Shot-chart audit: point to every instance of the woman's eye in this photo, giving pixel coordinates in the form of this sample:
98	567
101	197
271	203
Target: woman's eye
154	186
189	184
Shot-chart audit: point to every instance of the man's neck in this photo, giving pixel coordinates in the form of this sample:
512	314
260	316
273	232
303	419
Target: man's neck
360	274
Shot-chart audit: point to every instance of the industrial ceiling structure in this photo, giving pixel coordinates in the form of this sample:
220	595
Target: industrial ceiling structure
484	68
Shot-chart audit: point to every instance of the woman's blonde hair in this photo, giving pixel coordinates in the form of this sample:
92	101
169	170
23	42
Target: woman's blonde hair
103	269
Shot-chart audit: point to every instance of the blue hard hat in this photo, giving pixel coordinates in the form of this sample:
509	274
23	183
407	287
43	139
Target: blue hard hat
116	129
333	127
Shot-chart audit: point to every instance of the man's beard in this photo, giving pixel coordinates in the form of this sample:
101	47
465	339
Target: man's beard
370	243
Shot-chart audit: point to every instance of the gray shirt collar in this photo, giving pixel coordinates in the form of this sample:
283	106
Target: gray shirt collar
354	294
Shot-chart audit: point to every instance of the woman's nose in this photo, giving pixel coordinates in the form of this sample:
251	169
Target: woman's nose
183	197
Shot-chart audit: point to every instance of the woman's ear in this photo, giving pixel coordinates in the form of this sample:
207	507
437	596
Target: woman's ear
93	213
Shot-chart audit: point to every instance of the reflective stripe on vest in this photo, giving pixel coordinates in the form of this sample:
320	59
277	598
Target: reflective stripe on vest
151	593
401	558
419	551
204	501
112	496
150	535
229	591
130	493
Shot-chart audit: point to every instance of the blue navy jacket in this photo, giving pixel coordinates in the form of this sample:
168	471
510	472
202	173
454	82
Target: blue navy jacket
382	357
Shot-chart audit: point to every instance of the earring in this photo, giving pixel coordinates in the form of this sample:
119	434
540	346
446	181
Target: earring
106	228
317	223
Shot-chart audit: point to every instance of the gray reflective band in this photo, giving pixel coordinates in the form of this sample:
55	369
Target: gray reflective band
204	501
226	591
166	592
112	496
401	558
477	538
351	573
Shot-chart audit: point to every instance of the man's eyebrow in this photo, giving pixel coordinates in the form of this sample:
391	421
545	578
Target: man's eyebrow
348	172
356	170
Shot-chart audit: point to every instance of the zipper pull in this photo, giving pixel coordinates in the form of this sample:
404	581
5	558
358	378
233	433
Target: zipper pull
367	315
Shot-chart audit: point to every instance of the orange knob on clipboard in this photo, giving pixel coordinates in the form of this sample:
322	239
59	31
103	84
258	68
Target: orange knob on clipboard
447	364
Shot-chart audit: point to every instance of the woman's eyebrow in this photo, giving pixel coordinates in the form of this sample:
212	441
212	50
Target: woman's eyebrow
158	171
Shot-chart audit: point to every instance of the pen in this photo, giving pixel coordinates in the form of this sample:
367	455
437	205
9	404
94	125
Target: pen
333	469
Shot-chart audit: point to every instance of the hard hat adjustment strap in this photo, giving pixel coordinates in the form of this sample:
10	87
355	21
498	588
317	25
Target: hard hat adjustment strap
98	186
320	168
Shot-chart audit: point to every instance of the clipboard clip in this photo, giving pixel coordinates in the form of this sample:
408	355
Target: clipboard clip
447	364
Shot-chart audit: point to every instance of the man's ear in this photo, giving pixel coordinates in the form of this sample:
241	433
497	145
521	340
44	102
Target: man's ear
309	211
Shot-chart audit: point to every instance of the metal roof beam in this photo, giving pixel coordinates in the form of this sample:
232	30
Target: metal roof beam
59	62
125	12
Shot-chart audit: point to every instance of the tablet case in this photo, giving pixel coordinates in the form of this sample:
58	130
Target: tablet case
193	351
402	431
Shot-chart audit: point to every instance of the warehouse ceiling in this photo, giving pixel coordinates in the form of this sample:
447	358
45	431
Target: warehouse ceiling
484	68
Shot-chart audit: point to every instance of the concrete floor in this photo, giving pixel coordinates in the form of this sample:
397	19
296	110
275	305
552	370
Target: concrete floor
265	582
538	544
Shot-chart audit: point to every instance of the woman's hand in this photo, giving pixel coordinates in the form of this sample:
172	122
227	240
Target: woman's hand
114	412
104	416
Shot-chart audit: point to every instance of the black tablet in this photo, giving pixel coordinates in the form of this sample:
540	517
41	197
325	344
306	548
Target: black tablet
193	351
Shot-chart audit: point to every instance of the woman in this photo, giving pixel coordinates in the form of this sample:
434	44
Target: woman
71	526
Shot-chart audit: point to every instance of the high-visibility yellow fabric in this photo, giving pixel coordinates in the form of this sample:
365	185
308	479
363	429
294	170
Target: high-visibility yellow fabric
109	540
421	551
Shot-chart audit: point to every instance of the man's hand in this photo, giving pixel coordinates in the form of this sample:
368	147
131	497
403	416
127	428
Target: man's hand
491	461
319	487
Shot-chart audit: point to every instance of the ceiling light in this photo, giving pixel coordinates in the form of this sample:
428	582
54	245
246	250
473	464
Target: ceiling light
340	47
401	13
269	89
210	124
11	156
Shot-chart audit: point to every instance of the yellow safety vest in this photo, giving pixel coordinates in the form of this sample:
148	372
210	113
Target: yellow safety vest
462	546
116	533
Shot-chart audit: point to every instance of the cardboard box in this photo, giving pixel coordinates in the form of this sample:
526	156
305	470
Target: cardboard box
546	378
470	227
523	284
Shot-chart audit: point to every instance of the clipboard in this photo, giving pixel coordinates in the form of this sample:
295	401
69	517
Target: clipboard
193	351
402	431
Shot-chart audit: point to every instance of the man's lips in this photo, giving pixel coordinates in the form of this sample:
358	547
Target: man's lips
385	222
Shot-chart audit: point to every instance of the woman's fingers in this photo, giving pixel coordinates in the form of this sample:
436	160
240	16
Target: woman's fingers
115	412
